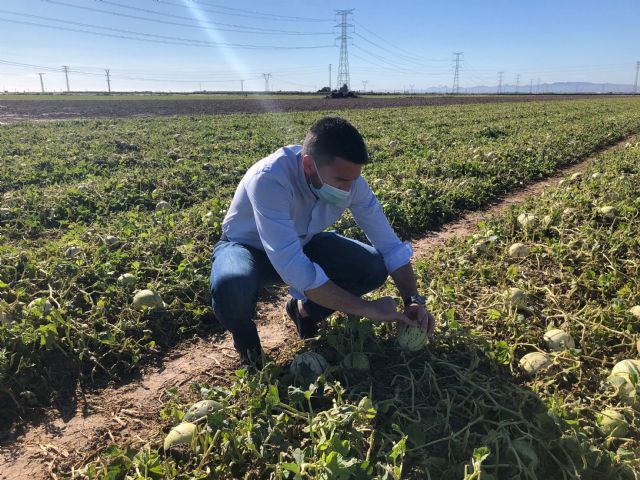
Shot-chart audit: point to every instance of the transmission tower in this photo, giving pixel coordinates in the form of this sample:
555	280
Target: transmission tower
41	82
456	73
518	83
635	84
66	75
343	66
109	80
266	76
500	74
364	85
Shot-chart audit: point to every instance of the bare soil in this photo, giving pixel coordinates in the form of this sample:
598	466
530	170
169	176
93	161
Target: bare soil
23	110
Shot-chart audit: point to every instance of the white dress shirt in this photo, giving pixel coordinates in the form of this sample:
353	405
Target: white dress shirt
273	209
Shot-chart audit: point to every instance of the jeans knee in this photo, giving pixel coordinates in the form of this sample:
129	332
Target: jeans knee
377	272
233	301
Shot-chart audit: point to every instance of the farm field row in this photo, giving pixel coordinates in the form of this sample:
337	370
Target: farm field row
533	372
80	236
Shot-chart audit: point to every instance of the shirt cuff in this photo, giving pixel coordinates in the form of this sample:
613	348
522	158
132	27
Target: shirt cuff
398	257
319	279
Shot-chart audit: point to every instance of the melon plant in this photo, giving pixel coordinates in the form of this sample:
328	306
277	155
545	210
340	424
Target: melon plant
612	423
625	377
357	361
181	435
518	250
558	340
201	409
307	367
149	299
533	362
412	338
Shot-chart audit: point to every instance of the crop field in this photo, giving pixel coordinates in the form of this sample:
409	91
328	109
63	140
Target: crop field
92	211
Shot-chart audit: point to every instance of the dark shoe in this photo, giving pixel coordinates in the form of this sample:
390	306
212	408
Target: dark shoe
307	326
251	360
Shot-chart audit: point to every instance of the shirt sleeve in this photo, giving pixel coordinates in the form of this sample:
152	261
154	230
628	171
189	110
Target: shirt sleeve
368	214
271	200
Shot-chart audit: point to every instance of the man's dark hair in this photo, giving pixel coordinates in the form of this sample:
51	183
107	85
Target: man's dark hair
332	137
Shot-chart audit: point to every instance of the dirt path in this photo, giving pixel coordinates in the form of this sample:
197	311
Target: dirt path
130	412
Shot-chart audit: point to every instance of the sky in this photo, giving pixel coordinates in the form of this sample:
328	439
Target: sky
189	45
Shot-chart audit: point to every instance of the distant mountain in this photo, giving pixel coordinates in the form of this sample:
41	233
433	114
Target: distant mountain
557	87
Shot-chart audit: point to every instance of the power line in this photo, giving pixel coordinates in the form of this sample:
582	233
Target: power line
224	7
400	57
404	52
235	28
388	63
250	14
232	76
153	38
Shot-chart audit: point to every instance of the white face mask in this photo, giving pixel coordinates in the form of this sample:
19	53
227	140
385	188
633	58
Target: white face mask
327	192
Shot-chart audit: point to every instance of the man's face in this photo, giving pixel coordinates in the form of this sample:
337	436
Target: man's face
340	173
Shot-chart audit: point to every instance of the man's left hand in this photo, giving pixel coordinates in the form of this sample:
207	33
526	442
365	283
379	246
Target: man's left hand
426	321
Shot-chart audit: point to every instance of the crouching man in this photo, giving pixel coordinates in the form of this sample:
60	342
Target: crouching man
274	233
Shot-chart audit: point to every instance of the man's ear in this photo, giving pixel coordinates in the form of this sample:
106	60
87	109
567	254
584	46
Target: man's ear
307	164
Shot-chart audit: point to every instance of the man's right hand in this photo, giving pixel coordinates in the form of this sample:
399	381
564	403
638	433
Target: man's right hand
384	310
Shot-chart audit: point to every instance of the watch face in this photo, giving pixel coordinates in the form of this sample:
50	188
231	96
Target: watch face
419	299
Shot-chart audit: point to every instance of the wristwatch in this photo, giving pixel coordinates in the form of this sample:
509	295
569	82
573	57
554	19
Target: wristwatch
419	299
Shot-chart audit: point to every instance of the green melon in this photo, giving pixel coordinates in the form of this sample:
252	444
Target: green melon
412	338
516	297
201	409
183	434
612	423
307	367
149	299
518	250
356	361
127	280
625	377
527	220
533	362
558	340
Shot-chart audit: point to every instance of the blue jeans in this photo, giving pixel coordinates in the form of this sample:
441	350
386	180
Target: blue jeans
239	272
